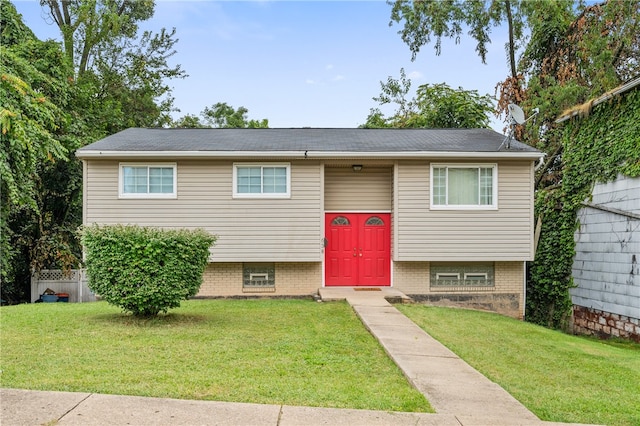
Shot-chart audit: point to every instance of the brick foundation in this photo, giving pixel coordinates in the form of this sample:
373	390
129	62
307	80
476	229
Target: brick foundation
604	324
292	279
411	278
506	297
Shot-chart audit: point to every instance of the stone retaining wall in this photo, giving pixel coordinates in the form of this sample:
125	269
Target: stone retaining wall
502	303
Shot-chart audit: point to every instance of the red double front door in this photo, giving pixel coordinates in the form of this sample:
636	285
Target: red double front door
358	249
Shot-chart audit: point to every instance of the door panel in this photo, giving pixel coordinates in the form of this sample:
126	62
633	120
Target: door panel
358	250
376	255
339	253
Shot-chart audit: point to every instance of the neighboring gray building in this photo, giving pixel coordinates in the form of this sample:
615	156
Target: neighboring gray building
606	265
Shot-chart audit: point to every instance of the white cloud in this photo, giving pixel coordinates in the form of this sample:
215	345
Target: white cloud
310	81
415	75
338	78
328	67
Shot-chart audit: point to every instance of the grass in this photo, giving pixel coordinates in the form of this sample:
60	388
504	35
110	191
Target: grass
559	377
294	352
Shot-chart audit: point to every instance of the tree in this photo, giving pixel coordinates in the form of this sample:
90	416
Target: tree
30	73
121	75
221	116
188	121
424	20
128	83
441	106
436	106
119	81
85	25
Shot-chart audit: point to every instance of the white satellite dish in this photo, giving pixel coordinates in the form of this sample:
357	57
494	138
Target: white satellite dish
516	116
516	113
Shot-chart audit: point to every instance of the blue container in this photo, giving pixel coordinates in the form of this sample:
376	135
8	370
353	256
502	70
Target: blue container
48	298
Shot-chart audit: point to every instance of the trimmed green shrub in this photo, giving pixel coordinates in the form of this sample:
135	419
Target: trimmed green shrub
145	271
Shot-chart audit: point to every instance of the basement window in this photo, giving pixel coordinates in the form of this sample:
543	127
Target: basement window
457	276
258	277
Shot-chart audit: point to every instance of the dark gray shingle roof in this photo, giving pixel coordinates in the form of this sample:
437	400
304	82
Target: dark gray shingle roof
302	139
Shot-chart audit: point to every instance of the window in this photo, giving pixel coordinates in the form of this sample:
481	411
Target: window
374	221
464	186
258	277
261	180
147	181
453	276
340	221
447	277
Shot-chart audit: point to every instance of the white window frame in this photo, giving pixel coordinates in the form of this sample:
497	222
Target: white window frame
147	195
448	276
494	186
475	275
237	194
262	275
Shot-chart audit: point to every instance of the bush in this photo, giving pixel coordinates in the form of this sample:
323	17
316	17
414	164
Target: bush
145	271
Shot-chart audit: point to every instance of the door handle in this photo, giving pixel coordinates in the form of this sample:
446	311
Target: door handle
354	252
360	252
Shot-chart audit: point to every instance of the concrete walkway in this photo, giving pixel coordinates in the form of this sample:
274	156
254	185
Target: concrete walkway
450	384
460	395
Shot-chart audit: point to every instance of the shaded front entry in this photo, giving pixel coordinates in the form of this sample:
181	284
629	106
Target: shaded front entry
358	250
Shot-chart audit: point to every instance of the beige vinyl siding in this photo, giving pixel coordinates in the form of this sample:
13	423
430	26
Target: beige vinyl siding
248	230
346	190
464	235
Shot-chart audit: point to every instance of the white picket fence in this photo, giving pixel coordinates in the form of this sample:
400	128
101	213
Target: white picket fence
74	283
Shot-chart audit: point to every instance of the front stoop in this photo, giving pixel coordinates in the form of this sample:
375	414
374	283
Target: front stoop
332	294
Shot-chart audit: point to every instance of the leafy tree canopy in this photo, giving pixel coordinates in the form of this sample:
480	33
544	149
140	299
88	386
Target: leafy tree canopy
86	25
590	48
104	78
436	106
221	116
30	73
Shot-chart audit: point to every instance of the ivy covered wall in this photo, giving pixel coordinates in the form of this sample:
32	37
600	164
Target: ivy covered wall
596	148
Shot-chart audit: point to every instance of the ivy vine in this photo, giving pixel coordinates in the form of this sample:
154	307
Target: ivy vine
596	148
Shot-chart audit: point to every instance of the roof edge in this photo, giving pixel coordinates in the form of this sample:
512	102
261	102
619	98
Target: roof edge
577	110
125	155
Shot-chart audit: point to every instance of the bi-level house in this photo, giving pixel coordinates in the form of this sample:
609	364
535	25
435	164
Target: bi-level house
439	214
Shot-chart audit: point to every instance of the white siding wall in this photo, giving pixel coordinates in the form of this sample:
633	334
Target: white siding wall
368	189
505	234
249	230
606	266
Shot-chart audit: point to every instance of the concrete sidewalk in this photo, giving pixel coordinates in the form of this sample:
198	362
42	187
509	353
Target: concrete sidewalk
460	395
31	408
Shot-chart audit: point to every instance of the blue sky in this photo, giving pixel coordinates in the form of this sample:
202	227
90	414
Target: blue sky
299	63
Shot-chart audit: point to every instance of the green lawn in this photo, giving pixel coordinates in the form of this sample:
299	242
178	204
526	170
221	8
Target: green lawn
559	377
294	352
299	352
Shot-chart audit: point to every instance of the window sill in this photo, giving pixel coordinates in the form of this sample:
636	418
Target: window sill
464	289
259	289
262	196
147	196
464	208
